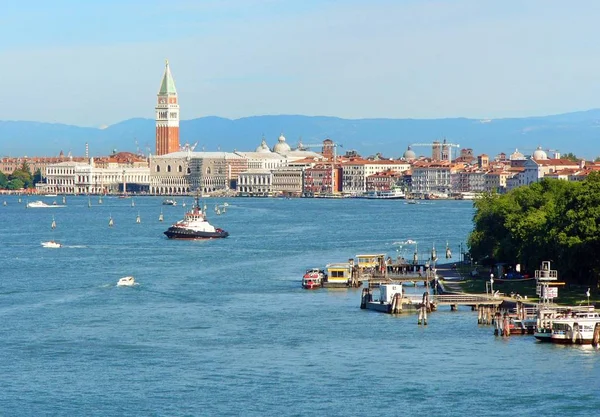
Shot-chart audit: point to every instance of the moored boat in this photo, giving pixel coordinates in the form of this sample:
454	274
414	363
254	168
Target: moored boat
313	278
195	226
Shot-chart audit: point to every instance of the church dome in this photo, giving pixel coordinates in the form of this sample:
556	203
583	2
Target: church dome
516	155
409	154
281	146
539	153
263	147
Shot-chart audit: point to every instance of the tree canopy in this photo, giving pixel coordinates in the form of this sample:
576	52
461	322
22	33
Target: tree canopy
549	220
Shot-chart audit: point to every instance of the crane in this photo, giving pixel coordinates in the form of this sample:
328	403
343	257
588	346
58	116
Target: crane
303	147
441	146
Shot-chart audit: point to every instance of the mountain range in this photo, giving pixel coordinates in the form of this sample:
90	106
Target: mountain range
576	132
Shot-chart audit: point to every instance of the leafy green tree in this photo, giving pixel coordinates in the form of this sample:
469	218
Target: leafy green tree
3	180
37	176
570	156
549	220
15	184
24	176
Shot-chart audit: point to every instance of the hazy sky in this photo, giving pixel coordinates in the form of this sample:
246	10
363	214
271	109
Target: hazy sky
92	63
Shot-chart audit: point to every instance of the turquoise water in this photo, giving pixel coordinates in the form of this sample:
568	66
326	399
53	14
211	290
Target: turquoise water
222	327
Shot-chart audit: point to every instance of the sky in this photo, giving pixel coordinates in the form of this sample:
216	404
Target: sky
92	63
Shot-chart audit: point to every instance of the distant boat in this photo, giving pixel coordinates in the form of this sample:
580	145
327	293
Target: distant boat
4	203
51	244
50	195
64	200
126	282
132	203
110	222
89	202
138	219
100	200
161	217
53	225
41	204
392	194
169	202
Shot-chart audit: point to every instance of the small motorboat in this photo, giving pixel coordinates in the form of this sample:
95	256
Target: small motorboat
51	244
126	282
169	202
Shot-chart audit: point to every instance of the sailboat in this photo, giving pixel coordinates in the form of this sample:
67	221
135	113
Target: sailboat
89	202
100	199
52	244
110	221
4	202
132	203
183	205
19	200
161	218
138	219
64	200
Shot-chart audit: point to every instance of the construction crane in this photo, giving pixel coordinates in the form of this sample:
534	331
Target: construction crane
441	146
304	147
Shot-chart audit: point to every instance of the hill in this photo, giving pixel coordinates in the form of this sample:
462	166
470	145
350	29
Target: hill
575	132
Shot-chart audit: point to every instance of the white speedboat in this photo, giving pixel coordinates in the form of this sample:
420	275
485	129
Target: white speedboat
41	204
126	282
51	244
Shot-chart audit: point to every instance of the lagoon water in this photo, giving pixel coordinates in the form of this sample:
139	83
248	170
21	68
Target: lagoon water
223	327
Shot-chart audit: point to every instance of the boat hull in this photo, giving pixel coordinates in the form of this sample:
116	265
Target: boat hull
181	233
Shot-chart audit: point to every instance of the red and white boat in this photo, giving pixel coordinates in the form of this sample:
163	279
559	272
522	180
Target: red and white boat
313	278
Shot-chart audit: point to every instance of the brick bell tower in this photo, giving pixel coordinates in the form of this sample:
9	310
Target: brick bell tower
167	115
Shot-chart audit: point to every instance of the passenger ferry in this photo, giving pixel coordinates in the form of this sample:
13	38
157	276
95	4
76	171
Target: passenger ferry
313	278
576	330
391	194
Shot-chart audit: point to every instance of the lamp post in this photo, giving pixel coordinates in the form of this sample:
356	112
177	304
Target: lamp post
460	256
492	283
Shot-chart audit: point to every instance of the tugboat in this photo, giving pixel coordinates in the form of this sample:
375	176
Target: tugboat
195	226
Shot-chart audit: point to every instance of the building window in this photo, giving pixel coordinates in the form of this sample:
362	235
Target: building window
168	168
158	168
180	168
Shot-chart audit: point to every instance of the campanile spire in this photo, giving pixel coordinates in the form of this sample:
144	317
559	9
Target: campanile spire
167	115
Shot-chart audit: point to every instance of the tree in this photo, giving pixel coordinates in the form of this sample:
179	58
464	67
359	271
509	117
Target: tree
15	184
551	219
571	157
3	180
23	176
37	177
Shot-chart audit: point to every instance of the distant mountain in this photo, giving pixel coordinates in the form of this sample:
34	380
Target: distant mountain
576	132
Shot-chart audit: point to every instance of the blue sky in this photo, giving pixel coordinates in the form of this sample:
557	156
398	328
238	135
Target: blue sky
97	63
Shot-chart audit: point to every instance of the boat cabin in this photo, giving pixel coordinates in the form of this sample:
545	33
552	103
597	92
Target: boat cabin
387	292
370	261
339	272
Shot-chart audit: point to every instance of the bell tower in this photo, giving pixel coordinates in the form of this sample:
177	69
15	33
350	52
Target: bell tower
167	115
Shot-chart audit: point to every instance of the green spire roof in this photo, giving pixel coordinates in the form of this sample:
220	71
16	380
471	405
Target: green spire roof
167	86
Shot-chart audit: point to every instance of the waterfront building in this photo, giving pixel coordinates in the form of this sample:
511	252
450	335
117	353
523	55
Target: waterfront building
495	180
353	176
468	180
322	179
73	177
167	115
288	180
255	182
186	172
384	181
432	177
8	165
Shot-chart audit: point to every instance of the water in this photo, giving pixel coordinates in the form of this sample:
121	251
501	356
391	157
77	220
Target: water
223	328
